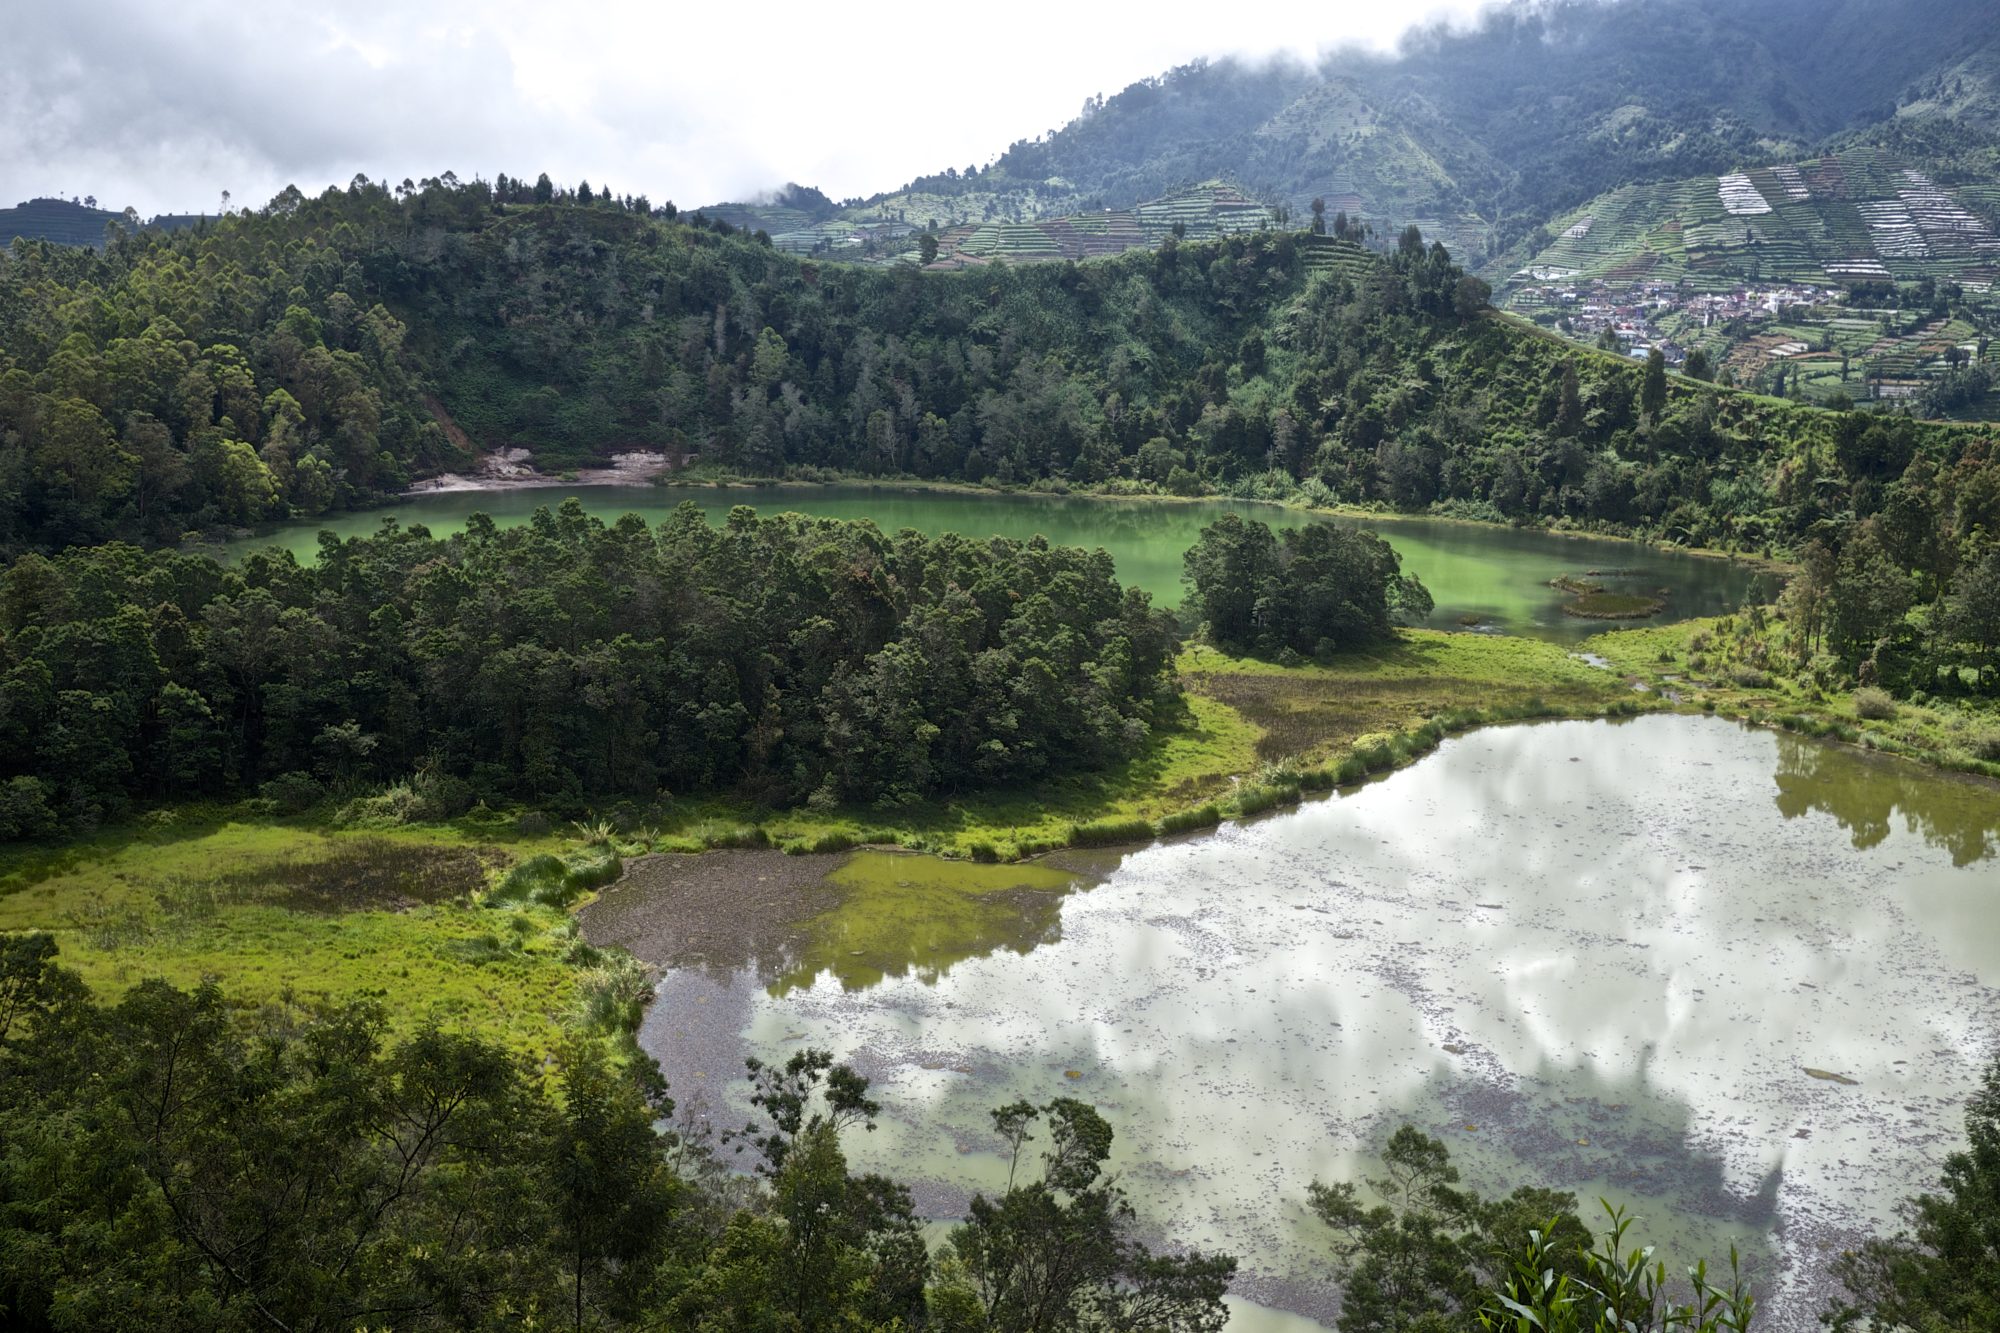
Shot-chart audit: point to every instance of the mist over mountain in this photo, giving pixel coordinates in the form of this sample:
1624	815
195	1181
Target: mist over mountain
1484	131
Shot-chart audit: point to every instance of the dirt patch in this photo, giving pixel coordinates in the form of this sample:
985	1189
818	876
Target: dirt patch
513	469
452	430
369	874
715	911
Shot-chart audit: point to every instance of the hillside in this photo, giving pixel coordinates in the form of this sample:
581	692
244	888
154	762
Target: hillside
69	222
1538	107
1482	135
60	221
1866	272
331	350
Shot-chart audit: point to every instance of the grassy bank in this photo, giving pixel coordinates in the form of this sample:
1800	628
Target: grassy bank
1258	735
288	913
468	924
1738	666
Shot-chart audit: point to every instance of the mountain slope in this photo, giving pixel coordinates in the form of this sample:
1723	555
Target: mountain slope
1484	133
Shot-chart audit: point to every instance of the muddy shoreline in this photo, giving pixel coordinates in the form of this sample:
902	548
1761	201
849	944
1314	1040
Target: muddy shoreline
715	912
514	470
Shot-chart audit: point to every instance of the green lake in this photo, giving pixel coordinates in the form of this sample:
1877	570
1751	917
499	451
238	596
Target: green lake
1493	577
1616	958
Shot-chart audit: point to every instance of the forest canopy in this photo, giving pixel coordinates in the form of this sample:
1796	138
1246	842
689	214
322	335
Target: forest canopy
780	659
1314	590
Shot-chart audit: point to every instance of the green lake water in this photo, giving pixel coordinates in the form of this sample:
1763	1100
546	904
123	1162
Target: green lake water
1497	577
1592	955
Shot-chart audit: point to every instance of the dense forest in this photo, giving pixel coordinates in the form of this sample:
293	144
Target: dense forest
322	352
1311	591
169	1169
782	660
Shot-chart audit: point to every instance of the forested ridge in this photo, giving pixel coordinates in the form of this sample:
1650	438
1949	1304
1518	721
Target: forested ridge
321	352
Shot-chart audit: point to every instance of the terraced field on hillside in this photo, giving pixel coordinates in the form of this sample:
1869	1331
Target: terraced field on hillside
1202	213
1860	215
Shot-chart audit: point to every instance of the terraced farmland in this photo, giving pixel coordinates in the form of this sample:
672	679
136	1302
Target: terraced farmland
1324	254
1863	215
1202	213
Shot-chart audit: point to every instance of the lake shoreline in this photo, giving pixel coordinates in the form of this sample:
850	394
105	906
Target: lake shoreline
699	1024
657	472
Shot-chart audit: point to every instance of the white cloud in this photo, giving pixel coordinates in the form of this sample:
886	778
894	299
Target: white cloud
164	106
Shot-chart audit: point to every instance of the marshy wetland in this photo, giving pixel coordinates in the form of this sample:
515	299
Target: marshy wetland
1736	980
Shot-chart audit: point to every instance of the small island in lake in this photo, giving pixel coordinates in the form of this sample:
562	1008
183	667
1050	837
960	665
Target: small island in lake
1591	600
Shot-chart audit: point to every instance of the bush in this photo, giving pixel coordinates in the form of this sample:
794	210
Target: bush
425	797
24	810
1874	705
1202	816
1376	757
526	880
553	881
1103	832
733	835
533	824
293	793
1251	800
612	996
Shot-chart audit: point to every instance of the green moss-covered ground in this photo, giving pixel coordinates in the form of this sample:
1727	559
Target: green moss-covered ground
285	913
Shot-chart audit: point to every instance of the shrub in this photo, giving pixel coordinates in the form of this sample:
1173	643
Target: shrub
819	844
1102	832
1375	757
294	792
533	824
712	833
612	996
1874	705
1202	816
1256	800
554	881
526	880
593	869
24	810
426	796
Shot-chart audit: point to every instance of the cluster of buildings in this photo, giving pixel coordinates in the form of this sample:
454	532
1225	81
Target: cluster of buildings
1644	315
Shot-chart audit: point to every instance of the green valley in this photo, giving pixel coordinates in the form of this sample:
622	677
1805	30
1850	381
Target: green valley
1356	692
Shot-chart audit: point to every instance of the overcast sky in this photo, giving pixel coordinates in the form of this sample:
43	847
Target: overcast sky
165	105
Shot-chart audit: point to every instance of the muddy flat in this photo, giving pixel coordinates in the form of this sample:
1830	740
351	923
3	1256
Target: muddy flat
719	911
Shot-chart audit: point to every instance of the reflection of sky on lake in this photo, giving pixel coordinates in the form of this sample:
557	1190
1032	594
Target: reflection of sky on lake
1593	956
